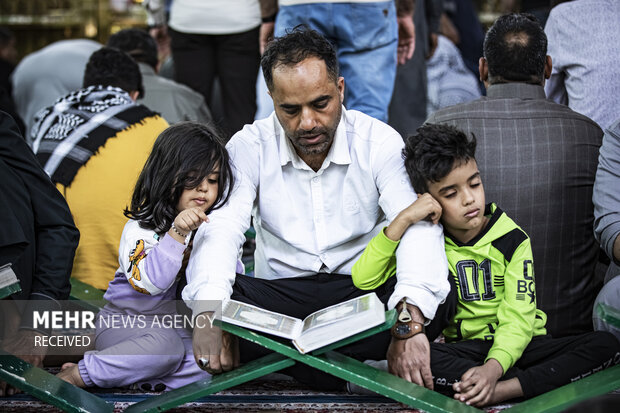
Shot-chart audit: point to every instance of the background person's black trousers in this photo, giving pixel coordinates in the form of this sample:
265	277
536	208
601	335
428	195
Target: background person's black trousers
546	363
299	297
234	59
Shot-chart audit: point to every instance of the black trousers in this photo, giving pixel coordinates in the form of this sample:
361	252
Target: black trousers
233	58
299	297
546	363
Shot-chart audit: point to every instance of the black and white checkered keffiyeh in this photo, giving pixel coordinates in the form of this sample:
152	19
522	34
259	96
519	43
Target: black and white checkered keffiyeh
69	132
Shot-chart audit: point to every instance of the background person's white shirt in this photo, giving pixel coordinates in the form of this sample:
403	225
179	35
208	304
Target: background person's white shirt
206	16
308	222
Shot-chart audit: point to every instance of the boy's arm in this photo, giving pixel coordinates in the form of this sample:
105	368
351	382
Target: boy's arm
376	264
517	311
378	261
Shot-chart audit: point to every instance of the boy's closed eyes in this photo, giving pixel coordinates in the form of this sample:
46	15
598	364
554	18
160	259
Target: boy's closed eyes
462	200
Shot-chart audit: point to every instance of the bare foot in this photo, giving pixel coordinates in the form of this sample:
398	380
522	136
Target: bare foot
66	366
70	373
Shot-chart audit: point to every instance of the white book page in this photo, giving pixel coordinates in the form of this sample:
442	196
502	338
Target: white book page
256	318
7	276
350	318
338	312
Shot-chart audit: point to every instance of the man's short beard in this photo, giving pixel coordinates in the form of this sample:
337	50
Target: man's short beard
318	148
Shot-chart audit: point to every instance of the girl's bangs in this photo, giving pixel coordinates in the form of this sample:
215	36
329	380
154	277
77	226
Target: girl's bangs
200	169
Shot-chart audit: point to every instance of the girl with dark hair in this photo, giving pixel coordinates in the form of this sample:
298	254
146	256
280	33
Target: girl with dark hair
186	176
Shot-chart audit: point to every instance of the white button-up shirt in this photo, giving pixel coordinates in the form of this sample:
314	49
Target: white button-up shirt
308	222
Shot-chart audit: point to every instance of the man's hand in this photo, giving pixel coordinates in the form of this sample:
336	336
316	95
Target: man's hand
406	38
477	385
265	35
22	345
268	11
218	347
162	38
410	359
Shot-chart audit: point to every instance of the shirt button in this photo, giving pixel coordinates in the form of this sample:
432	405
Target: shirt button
316	179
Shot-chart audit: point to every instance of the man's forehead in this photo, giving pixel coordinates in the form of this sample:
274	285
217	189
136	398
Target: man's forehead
302	83
311	67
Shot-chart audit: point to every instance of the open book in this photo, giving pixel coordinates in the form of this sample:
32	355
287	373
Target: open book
319	329
9	284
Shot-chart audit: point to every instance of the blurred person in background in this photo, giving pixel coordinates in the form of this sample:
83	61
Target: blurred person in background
43	76
93	143
174	101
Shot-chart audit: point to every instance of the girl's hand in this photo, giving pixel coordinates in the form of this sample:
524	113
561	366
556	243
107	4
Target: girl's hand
187	221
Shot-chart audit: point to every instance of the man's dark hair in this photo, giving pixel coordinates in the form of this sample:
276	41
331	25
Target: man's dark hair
434	151
137	44
111	67
294	47
515	48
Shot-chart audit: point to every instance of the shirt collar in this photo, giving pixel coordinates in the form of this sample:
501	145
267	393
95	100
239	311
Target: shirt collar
338	153
516	90
146	70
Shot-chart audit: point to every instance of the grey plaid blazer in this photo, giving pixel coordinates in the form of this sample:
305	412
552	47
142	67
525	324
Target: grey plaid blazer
538	161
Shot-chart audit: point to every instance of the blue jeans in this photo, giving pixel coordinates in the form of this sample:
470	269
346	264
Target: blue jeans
365	36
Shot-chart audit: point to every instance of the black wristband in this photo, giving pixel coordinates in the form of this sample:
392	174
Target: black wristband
269	19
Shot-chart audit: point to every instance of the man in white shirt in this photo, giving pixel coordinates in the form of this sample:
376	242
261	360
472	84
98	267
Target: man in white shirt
320	182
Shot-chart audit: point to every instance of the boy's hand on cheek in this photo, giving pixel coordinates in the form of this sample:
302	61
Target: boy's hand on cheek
425	207
429	208
478	384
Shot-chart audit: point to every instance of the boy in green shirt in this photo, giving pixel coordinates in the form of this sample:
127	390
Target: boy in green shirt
496	344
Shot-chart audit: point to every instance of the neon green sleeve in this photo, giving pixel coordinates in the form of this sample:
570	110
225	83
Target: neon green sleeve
376	264
516	312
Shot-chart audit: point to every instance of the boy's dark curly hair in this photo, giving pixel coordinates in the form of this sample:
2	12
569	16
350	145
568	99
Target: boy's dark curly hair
432	153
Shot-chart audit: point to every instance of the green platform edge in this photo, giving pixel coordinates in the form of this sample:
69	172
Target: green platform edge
86	296
561	398
594	385
324	359
48	388
10	289
250	371
608	314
